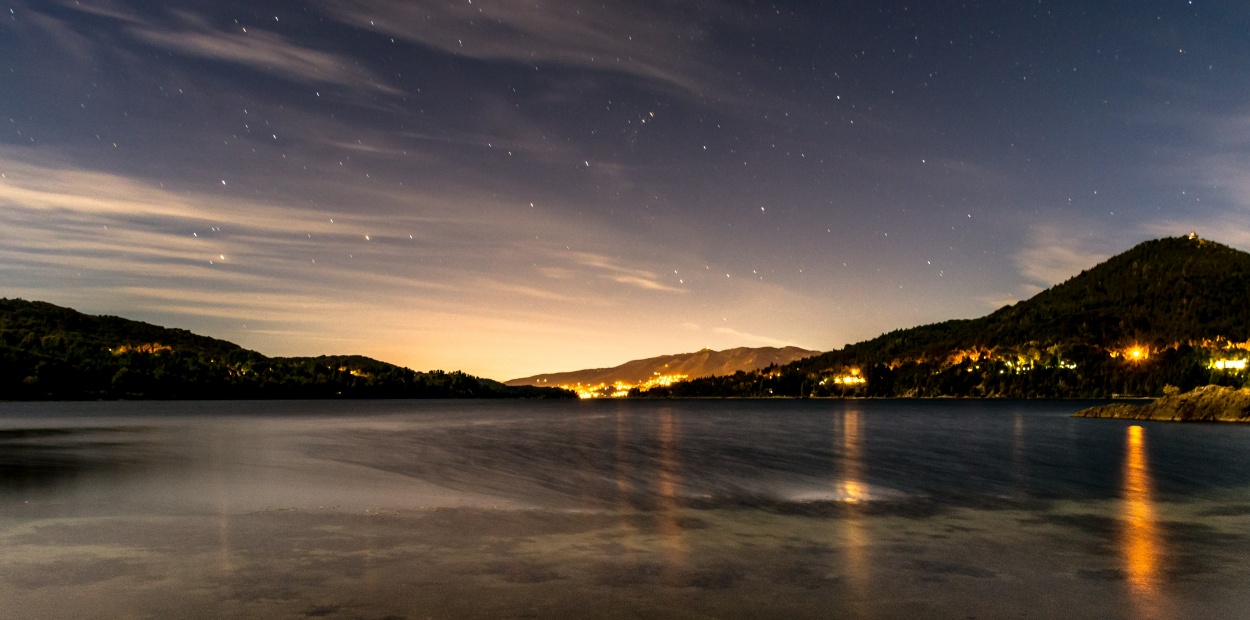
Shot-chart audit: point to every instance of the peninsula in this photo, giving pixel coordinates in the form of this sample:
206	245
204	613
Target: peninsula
1211	403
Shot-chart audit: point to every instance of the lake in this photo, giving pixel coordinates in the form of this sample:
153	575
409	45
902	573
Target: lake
617	509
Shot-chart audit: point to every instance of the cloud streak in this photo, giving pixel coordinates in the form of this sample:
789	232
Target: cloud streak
611	269
213	263
754	339
1053	254
261	51
625	38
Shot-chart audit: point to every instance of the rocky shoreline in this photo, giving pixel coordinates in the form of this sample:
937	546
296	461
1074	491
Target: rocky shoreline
1210	403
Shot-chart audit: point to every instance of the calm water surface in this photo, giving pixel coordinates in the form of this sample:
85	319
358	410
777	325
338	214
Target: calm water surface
686	509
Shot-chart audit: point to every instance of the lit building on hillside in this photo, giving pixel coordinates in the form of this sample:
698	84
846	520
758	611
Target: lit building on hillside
848	378
1229	364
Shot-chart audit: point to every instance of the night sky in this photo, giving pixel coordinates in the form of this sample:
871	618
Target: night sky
509	188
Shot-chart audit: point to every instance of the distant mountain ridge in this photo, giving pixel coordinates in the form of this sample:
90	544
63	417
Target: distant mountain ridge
1173	311
697	364
52	352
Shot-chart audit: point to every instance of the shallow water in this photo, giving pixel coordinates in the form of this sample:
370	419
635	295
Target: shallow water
640	509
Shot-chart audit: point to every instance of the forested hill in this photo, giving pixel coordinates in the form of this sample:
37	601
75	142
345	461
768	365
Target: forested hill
665	368
1171	311
51	352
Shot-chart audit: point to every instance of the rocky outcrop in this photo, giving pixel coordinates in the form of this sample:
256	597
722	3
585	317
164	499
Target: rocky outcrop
1210	403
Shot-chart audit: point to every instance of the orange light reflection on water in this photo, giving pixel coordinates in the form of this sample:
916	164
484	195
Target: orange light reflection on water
669	485
624	489
628	558
1141	544
854	491
852	488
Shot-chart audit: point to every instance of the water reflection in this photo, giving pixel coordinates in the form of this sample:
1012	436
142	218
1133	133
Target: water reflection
1141	542
39	459
224	516
221	495
852	487
1017	452
625	488
854	490
669	482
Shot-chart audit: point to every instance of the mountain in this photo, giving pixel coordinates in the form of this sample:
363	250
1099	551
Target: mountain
666	368
51	352
1172	311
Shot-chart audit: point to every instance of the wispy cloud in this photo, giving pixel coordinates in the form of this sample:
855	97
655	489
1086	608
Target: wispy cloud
611	269
1224	165
103	8
752	338
628	38
1207	175
214	261
261	51
1052	254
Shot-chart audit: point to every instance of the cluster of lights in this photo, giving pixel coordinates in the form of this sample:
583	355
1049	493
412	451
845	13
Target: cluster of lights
150	349
1229	364
1219	342
851	377
971	355
1017	368
1024	362
620	389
